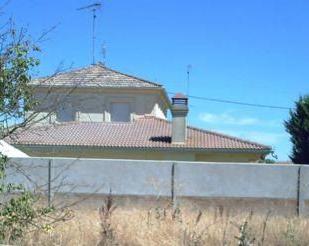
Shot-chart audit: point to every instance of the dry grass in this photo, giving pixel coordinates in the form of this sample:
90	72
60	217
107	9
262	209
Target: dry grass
174	227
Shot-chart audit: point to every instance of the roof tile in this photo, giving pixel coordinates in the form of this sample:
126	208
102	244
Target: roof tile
146	132
95	76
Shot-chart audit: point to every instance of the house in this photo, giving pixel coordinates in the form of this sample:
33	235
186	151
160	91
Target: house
97	112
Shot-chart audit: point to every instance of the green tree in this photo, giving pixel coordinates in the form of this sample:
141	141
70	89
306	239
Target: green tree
298	127
19	210
16	62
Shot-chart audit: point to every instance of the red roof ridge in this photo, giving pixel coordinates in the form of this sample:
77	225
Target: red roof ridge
72	123
149	116
89	123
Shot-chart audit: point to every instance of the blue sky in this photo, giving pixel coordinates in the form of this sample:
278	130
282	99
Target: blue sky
253	51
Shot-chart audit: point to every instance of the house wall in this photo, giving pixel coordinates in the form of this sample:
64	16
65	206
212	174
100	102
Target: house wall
143	155
95	105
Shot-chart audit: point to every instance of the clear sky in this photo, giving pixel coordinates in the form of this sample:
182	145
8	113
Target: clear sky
253	51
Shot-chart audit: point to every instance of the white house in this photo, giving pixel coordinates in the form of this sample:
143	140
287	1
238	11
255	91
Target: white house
98	112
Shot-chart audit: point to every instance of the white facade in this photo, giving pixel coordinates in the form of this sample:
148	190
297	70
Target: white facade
99	105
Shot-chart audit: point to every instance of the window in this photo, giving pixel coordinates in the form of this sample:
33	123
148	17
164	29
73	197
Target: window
65	113
120	112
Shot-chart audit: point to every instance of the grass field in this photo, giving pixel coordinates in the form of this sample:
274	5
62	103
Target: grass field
160	226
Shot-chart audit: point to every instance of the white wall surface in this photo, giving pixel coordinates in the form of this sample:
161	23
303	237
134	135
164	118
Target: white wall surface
236	180
156	178
122	177
31	172
96	105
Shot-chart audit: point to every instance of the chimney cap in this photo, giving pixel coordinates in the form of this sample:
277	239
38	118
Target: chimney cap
179	96
179	99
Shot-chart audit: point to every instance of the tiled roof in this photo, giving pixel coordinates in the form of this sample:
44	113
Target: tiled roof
146	132
95	76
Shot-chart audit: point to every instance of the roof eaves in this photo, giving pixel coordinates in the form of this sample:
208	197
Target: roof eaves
164	149
230	137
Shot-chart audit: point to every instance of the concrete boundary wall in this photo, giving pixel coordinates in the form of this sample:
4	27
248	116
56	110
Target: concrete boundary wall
121	177
245	186
236	180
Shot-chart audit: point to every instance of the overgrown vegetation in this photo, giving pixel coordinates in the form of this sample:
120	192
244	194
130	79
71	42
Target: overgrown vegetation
246	236
158	226
108	237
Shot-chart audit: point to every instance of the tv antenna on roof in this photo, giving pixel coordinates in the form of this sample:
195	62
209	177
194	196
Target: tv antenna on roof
103	52
93	8
189	67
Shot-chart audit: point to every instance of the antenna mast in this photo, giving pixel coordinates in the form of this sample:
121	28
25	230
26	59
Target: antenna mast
189	67
93	8
103	51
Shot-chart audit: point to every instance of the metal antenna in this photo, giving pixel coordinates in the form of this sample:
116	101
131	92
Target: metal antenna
103	50
189	67
93	8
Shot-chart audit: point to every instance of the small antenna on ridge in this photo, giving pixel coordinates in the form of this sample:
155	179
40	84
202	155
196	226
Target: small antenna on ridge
93	8
103	51
189	67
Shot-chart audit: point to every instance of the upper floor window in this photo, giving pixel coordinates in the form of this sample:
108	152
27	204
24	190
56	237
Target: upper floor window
66	113
120	112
